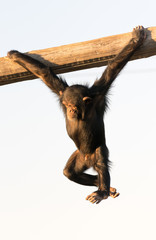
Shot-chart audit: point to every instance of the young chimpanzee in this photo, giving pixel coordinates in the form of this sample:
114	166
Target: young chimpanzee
84	108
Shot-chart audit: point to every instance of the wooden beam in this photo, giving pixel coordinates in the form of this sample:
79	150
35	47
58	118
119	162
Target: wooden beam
78	56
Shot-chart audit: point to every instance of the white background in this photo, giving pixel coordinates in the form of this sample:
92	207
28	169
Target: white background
36	201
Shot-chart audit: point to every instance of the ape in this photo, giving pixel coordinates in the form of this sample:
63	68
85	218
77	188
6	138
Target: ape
84	108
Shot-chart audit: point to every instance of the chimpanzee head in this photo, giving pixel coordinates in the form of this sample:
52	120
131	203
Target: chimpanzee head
76	99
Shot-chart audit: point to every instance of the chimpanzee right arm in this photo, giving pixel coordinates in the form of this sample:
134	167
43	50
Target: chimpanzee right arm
39	69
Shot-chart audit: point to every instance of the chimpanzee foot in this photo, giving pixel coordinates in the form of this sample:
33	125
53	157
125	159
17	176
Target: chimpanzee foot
113	193
97	197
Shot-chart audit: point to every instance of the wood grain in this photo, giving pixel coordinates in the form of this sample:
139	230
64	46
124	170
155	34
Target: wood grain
77	56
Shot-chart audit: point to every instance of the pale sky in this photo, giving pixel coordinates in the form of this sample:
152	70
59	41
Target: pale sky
36	201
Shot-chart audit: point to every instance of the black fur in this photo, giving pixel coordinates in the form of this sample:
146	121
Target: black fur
84	109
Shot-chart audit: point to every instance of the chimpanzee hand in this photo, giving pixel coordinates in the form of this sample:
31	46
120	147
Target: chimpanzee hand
13	54
139	35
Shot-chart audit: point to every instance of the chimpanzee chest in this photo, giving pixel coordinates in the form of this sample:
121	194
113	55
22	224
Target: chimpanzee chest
87	136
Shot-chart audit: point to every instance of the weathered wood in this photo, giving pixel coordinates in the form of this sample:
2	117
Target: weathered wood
78	56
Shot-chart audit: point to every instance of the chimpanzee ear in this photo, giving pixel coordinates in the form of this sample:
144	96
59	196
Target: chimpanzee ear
87	99
60	92
64	103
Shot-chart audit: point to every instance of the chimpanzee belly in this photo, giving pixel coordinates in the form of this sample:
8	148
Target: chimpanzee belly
86	136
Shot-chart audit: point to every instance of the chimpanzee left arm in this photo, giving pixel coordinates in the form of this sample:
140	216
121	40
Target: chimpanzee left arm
39	69
102	85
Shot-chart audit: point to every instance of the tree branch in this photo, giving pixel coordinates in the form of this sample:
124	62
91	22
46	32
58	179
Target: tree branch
77	56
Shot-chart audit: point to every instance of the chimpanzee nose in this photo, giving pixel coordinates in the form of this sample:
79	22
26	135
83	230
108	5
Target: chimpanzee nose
72	111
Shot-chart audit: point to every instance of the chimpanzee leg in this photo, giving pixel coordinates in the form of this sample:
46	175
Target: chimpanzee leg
102	167
74	170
